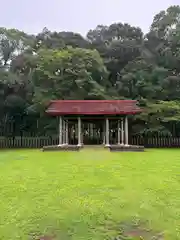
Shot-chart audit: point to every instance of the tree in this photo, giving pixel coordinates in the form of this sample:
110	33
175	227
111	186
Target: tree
59	40
12	42
113	62
118	44
72	73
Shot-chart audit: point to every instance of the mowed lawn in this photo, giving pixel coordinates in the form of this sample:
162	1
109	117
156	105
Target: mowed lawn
89	194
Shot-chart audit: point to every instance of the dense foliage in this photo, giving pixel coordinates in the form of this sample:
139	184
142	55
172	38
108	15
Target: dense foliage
111	62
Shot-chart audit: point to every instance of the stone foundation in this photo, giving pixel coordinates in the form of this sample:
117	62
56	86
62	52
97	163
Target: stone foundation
61	148
112	148
126	148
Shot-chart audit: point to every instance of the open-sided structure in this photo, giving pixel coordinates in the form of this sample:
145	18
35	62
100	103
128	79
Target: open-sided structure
99	112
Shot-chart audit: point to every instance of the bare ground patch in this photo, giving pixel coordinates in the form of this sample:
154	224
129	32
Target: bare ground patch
130	230
137	231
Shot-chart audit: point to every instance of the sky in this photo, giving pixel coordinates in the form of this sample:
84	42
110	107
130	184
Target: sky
32	16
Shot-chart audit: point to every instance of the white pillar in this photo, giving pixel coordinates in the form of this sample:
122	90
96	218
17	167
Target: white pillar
60	130
122	131
67	136
126	131
63	132
119	133
104	133
82	134
107	132
79	131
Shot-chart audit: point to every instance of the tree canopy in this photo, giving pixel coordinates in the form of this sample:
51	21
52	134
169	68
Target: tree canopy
117	61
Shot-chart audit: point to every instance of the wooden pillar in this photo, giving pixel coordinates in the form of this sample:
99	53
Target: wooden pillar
60	130
104	133
67	132
82	133
126	131
107	132
79	131
122	131
63	132
119	132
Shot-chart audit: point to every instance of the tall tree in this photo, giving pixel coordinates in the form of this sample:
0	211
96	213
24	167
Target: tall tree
72	73
118	44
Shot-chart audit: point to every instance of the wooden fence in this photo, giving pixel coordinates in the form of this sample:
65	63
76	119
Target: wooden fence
39	142
156	142
27	142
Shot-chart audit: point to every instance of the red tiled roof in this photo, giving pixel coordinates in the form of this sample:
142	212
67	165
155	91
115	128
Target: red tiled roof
93	107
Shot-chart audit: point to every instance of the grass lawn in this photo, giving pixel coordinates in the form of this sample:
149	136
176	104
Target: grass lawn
89	194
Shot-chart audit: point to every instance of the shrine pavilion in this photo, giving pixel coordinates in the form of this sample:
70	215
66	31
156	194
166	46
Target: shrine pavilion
83	113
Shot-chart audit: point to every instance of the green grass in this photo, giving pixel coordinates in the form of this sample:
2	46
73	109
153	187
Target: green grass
88	194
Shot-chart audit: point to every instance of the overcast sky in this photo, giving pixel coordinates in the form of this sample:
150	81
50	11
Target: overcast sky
78	15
